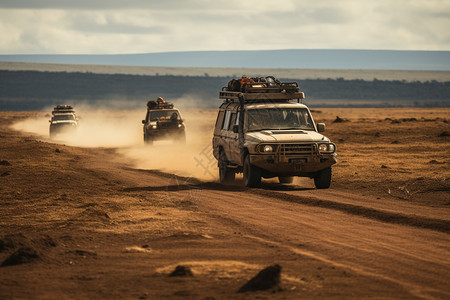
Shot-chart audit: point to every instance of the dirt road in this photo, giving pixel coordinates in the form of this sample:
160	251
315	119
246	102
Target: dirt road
98	227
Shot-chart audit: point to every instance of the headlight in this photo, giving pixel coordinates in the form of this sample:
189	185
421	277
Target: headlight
267	148
153	126
327	148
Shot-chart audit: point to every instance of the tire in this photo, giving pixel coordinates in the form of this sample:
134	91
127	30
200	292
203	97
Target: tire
252	174
285	179
322	180
148	140
53	132
226	175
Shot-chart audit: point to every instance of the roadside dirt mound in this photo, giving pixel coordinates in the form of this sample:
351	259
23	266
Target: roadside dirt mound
181	271
26	248
19	240
92	214
12	241
21	256
266	279
5	163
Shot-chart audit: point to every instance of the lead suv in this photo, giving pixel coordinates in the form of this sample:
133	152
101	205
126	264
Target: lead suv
263	131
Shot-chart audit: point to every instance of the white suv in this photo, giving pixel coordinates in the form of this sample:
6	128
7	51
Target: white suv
264	132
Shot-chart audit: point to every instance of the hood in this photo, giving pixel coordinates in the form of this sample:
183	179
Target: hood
286	136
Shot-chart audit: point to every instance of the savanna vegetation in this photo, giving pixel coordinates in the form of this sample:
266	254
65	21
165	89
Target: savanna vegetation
34	90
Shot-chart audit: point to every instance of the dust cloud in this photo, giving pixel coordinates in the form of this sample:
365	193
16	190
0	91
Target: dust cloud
193	159
122	130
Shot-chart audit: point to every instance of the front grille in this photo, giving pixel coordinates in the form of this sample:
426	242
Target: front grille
302	149
167	125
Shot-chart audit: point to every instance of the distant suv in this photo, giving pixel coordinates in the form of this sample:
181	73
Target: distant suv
64	120
262	130
163	122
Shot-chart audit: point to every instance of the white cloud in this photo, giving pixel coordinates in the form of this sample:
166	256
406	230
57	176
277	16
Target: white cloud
51	26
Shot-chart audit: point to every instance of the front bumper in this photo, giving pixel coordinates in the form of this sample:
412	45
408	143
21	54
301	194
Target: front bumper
284	163
165	133
60	128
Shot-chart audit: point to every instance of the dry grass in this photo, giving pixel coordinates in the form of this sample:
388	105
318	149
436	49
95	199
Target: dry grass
394	151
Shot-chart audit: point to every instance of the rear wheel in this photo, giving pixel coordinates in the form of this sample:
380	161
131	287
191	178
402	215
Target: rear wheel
252	174
322	180
285	179
225	174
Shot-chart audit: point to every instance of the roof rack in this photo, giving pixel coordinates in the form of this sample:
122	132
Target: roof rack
261	90
61	109
154	105
261	96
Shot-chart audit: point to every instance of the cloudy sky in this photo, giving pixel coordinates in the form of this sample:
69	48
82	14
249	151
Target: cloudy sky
144	26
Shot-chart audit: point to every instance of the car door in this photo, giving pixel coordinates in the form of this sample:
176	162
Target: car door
235	152
225	133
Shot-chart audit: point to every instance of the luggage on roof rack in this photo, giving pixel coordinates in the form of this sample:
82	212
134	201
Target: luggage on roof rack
154	105
260	85
61	109
262	96
261	89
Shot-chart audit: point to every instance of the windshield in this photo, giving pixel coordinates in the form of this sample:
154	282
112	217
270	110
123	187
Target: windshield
158	115
63	117
279	118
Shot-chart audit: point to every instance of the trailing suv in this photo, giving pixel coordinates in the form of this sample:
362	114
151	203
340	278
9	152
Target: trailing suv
262	130
163	122
64	120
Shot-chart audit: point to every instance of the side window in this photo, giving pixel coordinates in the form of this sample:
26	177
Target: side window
237	118
219	121
147	115
226	120
232	121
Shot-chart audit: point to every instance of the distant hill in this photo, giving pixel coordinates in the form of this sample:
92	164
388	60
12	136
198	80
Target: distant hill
292	59
347	74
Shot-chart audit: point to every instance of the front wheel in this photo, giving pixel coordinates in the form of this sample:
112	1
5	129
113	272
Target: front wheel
322	180
225	174
148	139
252	174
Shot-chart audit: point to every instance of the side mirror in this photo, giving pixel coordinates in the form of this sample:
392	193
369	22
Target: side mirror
320	127
49	121
236	128
143	121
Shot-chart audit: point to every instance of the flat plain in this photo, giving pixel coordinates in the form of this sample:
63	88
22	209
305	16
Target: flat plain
348	74
103	216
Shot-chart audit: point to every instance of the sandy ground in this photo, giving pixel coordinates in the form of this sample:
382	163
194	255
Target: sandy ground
100	215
